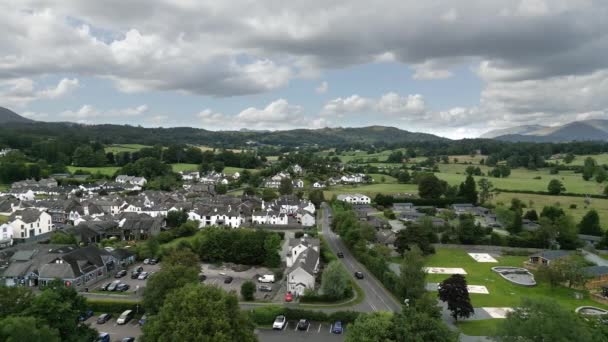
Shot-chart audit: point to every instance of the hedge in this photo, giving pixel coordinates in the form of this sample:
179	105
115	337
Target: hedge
265	315
567	194
114	306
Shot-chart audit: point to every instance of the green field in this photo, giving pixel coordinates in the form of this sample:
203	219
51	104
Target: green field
502	292
484	327
580	159
3	219
387	179
4	187
182	167
373	189
104	170
124	148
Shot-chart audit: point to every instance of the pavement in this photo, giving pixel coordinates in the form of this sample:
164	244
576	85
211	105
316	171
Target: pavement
320	332
377	298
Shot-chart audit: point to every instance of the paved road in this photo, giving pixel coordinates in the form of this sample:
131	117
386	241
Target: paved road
594	258
377	298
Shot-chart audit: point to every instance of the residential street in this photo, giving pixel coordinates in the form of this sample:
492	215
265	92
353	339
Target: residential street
377	298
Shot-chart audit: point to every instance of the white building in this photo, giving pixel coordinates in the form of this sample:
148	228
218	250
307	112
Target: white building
6	235
29	223
124	179
192	176
301	275
354	198
269	217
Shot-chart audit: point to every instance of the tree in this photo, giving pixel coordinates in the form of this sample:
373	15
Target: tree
418	234
335	281
248	290
485	190
61	238
417	325
218	166
468	190
14	300
600	174
412	279
531	215
429	186
555	187
571	270
454	291
403	177
370	327
317	197
182	257
221	189
544	320
569	158
149	249
272	245
176	217
286	186
164	282
269	195
589	168
590	224
18	329
199	313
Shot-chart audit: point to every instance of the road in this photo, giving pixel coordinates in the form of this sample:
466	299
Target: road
377	298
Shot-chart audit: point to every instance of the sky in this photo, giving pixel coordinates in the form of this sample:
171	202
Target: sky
454	68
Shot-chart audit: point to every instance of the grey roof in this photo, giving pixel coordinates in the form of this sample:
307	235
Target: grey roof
60	271
596	271
307	260
552	254
309	242
27	215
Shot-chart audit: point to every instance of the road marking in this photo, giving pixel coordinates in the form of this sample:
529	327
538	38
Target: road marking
285	326
319	330
331	326
308	327
296	328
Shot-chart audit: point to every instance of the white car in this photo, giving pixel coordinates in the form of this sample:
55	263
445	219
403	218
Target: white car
279	323
125	317
143	275
146	261
267	278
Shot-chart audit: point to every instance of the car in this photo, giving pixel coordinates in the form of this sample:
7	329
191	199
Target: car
337	327
128	339
105	286
103	318
265	288
134	275
359	275
112	286
125	317
303	324
146	261
139	269
202	277
143	276
142	320
120	274
266	278
153	262
228	280
288	297
279	322
340	255
85	315
123	287
103	337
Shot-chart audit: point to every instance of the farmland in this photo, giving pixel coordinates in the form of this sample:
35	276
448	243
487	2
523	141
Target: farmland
104	170
124	148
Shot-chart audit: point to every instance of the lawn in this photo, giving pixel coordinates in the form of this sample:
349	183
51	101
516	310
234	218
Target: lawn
182	167
502	292
485	327
124	148
378	178
4	187
373	189
104	170
3	219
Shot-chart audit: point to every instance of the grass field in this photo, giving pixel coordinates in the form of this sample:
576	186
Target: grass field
485	327
372	189
104	170
387	179
124	148
502	292
184	167
580	159
4	187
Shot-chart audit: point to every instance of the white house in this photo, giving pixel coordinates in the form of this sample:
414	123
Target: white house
297	169
193	176
6	235
354	198
29	223
318	185
220	216
269	217
298	183
124	179
298	246
301	275
306	219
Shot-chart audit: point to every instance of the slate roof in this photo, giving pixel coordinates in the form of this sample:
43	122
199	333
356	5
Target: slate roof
27	215
552	254
307	260
596	271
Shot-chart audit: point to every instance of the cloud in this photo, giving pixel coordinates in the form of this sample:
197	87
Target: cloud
352	104
21	91
390	103
64	87
322	88
88	113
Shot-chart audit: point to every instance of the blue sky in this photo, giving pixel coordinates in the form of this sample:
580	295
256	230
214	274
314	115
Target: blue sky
457	68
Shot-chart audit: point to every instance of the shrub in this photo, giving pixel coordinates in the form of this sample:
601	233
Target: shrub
572	206
248	290
299	235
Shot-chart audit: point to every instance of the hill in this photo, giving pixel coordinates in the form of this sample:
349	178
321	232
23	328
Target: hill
587	130
7	115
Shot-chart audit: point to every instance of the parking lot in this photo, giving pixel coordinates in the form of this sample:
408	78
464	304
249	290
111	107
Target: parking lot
117	332
217	275
316	332
133	283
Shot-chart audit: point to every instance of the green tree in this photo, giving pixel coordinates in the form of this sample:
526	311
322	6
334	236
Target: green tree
555	187
485	190
272	245
62	238
335	281
419	234
544	320
221	189
182	257
14	300
176	217
412	279
468	190
600	174
454	291
218	166
569	158
164	282
371	327
286	186
269	195
317	197
149	249
589	168
429	186
20	329
590	224
248	290
199	313
417	325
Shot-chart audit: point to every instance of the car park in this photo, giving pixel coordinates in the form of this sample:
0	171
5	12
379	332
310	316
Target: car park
265	288
228	280
288	297
143	276
105	286
153	262
103	318
125	317
128	339
303	324
112	286
340	255
337	327
134	274
146	261
266	278
279	322
359	275
120	274
85	315
123	287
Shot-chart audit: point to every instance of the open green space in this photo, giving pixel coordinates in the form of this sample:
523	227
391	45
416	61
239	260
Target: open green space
104	170
4	187
372	189
383	179
485	327
580	159
183	167
3	219
502	292
124	148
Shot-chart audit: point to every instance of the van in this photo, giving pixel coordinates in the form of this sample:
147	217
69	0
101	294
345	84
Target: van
266	278
125	317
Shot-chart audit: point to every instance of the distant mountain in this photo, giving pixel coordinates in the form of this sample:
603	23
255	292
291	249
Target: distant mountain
7	115
586	130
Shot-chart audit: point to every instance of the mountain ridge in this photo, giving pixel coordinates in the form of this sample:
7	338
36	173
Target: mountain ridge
584	130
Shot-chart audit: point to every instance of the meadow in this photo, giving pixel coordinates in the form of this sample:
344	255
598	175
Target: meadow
104	170
124	148
580	159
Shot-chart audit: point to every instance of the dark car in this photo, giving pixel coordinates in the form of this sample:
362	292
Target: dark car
134	275
340	255
337	327
153	262
228	280
103	337
139	269
103	318
120	274
128	339
359	275
303	324
122	287
202	277
85	315
265	288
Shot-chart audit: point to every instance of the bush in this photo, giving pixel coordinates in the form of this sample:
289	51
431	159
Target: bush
572	206
248	290
299	235
265	315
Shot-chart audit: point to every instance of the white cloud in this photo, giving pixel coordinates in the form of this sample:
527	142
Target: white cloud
21	91
64	87
351	104
322	88
88	113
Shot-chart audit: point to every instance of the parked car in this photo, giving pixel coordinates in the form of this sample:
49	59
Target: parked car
279	322
128	339
105	286
103	318
85	315
142	320
288	297
359	275
265	288
134	275
146	261
340	255
123	287
337	327
112	286
202	277
143	276
153	262
228	280
303	324
125	317
103	337
266	278
120	274
139	269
